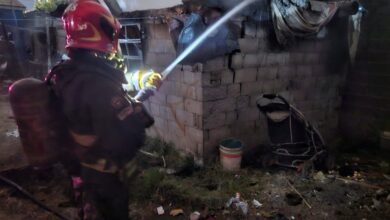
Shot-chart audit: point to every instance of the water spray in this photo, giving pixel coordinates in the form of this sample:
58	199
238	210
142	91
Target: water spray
204	35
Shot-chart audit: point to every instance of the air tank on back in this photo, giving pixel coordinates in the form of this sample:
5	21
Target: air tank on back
40	124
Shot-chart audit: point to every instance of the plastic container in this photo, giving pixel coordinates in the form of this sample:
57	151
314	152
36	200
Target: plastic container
230	153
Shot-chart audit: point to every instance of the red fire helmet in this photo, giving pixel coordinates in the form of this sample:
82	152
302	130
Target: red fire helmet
89	25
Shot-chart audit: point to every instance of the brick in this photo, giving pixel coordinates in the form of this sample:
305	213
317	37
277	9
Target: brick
193	106
183	117
192	78
248	114
245	75
267	73
159	31
254	99
240	128
237	61
194	134
175	102
158	98
214	120
272	59
242	102
250	60
154	109
251	88
220	63
176	129
234	90
231	117
160	123
160	46
193	92
167	113
248	45
286	72
262	59
214	93
218	134
176	75
227	77
304	71
224	105
297	58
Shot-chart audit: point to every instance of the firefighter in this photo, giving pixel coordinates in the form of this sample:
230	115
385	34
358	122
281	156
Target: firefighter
107	125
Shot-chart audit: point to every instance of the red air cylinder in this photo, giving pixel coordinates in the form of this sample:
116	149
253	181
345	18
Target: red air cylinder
41	127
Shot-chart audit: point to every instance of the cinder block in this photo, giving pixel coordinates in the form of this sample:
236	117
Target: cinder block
237	61
158	98
231	117
167	112
175	102
214	93
253	100
242	102
192	78
261	32
214	120
251	88
218	134
217	64
160	123
248	114
193	106
159	59
245	75
159	31
262	59
272	59
240	128
192	92
297	58
234	90
176	75
160	45
227	77
250	60
184	118
267	73
176	128
194	134
248	45
312	58
304	71
154	109
286	72
224	105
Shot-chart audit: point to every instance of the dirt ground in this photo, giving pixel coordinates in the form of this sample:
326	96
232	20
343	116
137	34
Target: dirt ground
358	188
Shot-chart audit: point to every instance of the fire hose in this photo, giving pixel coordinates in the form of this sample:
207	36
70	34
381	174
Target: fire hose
32	198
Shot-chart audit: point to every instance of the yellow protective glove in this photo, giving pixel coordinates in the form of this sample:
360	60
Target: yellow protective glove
144	80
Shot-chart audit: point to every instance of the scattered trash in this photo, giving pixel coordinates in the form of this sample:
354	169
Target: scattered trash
298	193
14	133
381	193
233	200
376	203
265	214
160	210
292	217
243	206
386	176
388	198
195	215
256	203
384	164
176	212
319	176
293	199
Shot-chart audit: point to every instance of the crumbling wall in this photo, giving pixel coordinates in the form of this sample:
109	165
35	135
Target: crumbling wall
177	107
366	110
199	106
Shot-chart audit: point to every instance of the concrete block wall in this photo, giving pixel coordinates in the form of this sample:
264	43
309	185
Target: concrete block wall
201	105
366	110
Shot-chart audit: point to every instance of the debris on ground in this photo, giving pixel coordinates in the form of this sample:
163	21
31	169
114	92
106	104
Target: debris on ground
256	203
293	199
176	212
160	210
320	176
195	215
